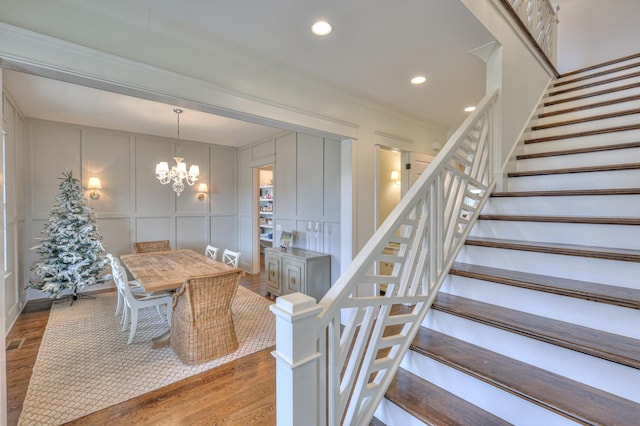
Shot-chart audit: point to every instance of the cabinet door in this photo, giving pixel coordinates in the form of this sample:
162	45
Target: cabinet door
294	274
272	269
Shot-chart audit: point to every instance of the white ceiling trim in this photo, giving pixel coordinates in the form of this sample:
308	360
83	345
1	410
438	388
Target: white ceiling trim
50	57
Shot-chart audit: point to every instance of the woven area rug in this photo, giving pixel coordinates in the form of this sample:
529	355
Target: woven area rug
84	363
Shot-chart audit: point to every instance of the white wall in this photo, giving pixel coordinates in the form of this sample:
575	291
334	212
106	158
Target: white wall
14	182
133	205
522	78
595	31
306	181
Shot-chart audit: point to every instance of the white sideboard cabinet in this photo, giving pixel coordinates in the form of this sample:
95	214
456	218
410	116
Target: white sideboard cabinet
296	270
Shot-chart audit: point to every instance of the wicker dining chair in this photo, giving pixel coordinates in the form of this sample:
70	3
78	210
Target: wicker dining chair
202	326
151	246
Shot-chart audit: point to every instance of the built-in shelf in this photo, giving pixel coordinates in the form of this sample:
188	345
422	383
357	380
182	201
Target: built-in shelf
266	206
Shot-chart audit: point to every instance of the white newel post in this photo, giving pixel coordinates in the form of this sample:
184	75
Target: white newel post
296	359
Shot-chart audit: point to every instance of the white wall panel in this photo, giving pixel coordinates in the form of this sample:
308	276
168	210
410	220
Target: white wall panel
331	244
116	235
223	192
263	150
107	155
191	233
155	228
245	240
224	234
245	183
310	171
151	196
285	177
55	148
331	188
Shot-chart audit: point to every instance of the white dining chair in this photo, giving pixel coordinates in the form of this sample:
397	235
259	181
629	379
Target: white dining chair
231	258
135	286
137	301
211	252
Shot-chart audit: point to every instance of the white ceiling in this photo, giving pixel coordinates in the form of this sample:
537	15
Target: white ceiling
376	47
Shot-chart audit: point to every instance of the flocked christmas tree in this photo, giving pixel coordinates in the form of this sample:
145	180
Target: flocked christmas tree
71	254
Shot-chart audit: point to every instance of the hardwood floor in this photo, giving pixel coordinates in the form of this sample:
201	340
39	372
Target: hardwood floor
241	392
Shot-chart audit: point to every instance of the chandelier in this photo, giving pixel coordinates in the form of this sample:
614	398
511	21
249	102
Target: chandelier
178	172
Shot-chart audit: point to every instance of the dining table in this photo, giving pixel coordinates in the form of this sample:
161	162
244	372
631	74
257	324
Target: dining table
167	270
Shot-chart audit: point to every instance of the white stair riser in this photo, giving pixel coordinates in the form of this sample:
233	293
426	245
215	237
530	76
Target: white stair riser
603	271
599	316
587	101
582	142
589	90
599	158
586	113
578	205
501	403
392	415
632	61
614	236
596	79
587	180
605	375
625	120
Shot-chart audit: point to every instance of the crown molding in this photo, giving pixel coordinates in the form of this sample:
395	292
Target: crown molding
34	53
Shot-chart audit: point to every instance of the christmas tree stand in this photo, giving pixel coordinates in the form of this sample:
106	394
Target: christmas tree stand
73	297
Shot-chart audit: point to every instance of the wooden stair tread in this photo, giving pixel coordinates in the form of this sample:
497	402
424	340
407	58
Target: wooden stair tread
608	253
567	192
592	94
582	169
434	405
609	346
589	106
602	293
563	219
599	65
597	74
586	119
595	83
585	150
583	134
566	397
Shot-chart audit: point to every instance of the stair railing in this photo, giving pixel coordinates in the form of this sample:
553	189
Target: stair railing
540	20
336	359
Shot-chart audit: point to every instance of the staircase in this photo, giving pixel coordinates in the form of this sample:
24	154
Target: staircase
538	322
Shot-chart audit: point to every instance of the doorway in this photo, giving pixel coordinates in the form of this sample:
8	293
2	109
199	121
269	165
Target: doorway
266	210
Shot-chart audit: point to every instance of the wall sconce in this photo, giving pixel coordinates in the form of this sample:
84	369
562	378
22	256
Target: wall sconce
202	191
93	185
395	177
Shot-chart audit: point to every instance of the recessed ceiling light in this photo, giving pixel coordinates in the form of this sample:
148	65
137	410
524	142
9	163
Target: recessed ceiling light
469	109
321	28
419	79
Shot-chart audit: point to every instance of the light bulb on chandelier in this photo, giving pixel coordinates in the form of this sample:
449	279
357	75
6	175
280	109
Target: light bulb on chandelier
178	172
